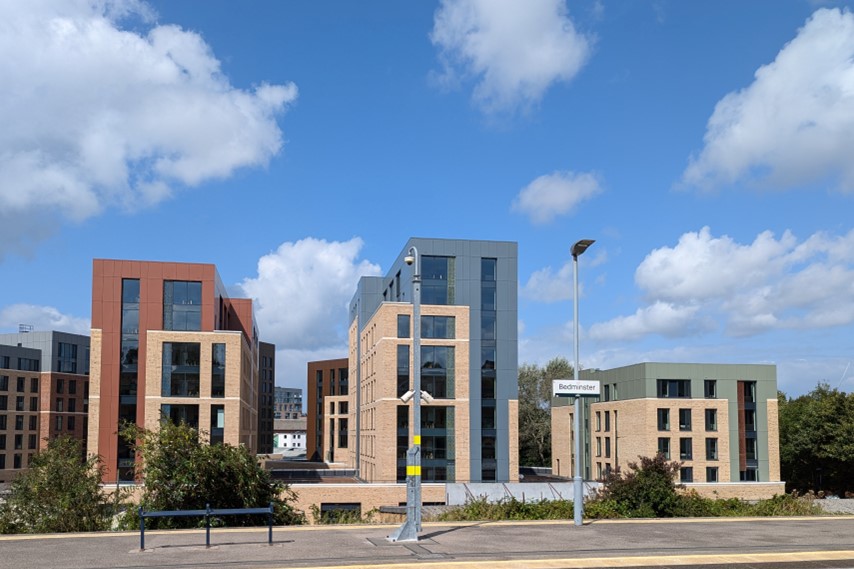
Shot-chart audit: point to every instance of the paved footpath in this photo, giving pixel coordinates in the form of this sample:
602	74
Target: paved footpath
791	543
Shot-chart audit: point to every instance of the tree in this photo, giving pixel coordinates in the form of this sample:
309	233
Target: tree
181	471
646	490
59	493
817	440
535	396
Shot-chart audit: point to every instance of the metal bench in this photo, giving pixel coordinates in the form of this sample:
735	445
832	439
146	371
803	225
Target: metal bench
207	513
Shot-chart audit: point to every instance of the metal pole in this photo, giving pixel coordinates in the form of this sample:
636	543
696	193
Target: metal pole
578	488
410	528
270	525
141	529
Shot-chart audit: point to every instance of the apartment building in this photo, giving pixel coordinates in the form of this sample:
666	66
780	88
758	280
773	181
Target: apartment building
718	420
267	381
468	366
328	384
288	403
44	389
168	342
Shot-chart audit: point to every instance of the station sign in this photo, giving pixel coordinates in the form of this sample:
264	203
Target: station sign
572	388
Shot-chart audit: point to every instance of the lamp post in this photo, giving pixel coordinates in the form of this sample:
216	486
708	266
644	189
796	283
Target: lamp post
578	489
410	528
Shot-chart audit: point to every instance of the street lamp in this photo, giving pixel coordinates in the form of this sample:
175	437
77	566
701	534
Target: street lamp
578	490
410	528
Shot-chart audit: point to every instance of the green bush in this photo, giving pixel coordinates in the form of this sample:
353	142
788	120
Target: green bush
647	490
480	509
60	492
182	472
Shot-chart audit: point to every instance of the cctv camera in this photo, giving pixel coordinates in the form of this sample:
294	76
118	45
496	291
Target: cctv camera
409	259
407	396
426	397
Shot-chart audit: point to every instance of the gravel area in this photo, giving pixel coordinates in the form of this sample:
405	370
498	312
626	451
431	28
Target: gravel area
840	506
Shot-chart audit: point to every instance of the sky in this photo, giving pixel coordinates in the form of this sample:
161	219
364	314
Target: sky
707	147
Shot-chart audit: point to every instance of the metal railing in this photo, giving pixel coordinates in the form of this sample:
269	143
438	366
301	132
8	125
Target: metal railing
207	513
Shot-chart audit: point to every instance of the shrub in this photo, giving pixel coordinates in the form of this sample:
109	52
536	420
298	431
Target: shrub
480	509
647	490
182	472
59	493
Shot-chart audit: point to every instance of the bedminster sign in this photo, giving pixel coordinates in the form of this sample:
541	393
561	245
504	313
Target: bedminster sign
572	388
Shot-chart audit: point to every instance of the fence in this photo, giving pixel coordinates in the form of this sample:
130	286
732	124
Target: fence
207	513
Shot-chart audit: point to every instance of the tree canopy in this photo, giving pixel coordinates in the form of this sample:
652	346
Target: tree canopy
181	471
817	440
535	395
59	493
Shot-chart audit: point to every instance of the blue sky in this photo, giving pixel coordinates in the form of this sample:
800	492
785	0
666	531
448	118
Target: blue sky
706	146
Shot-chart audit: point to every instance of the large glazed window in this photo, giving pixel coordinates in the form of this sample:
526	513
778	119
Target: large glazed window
218	370
437	277
437	371
180	369
182	305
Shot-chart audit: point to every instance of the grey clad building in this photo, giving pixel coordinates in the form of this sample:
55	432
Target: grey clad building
468	365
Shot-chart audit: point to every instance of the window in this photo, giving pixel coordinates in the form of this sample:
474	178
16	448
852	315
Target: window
188	414
684	419
749	419
16	462
2	442
72	405
20	385
749	475
342	433
711	474
34	385
598	446
402	369
686	474
437	275
32	441
71	424
664	419
19	403
58	423
664	447
19	442
598	421
4	383
710	389
749	388
59	404
438	327
607	447
711	419
3	422
72	386
403	325
182	305
34	403
180	372
686	449
4	402
67	358
607	393
19	422
674	388
60	385
607	421
217	423
33	420
711	449
437	371
750	449
218	370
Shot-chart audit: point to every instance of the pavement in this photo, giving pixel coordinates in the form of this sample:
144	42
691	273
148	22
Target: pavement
766	543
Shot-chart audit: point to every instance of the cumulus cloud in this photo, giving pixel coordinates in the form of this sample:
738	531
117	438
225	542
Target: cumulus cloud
555	194
98	115
302	291
41	318
514	49
749	288
795	123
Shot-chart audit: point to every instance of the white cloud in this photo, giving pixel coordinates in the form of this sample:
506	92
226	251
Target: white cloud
96	115
515	49
41	318
795	123
765	285
546	285
659	318
555	194
291	369
302	291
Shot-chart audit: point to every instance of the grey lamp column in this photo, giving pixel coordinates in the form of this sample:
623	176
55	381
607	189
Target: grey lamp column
410	528
578	487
